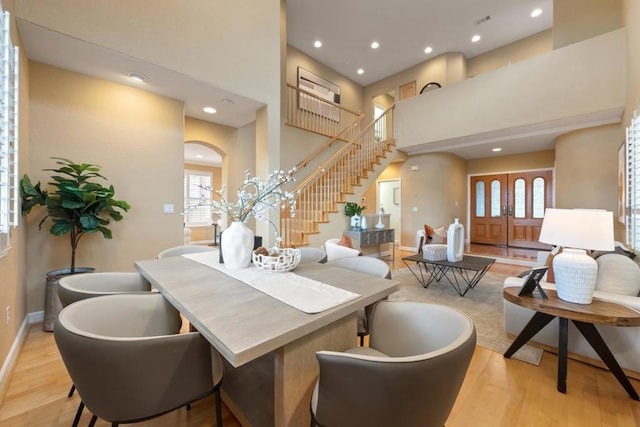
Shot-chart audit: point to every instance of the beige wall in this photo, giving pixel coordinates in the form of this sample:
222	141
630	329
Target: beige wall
518	51
234	46
237	147
393	171
586	169
577	20
438	189
385	101
632	23
631	16
298	144
137	138
512	163
350	91
445	69
13	293
230	45
505	103
255	28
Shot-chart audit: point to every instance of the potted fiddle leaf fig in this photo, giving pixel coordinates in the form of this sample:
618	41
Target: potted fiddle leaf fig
77	205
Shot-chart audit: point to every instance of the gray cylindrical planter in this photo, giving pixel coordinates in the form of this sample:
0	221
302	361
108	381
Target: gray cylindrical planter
52	305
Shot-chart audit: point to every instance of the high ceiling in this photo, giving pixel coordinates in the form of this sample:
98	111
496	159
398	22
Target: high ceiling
403	28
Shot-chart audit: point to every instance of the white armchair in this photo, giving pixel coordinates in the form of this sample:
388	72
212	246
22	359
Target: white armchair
335	251
439	237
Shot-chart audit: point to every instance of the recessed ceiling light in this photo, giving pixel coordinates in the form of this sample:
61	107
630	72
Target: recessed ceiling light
317	43
536	12
428	49
360	71
137	77
496	149
475	38
209	110
375	45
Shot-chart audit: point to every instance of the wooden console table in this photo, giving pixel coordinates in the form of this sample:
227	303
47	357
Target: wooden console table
376	236
584	316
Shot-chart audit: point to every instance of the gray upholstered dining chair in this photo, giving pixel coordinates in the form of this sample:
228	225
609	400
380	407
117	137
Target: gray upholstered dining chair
128	360
312	254
409	376
76	287
185	249
368	265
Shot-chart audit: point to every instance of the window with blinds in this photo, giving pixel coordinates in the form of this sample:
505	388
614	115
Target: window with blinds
9	190
194	194
632	190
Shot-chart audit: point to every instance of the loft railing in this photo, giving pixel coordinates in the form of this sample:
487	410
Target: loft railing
310	112
319	194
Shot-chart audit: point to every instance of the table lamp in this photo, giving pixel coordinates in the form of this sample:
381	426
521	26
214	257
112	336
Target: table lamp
577	230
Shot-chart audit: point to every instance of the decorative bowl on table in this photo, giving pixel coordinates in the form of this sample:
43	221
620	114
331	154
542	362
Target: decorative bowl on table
284	260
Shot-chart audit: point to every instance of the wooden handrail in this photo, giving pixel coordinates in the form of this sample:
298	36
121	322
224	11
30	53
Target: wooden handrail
325	187
306	92
326	145
331	160
310	112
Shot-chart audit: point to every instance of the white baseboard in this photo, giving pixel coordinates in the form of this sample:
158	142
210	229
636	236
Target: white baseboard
14	352
35	317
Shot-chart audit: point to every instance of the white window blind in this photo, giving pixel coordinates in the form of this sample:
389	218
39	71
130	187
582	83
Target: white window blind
9	177
632	194
193	196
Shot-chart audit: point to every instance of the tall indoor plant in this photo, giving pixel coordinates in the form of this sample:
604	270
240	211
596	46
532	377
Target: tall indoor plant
77	205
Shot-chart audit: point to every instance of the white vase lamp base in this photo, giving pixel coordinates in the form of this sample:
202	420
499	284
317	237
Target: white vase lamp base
575	275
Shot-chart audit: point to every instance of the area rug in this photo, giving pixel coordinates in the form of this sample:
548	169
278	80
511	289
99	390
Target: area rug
483	304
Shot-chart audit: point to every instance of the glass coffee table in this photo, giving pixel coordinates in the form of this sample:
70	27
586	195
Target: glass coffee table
462	275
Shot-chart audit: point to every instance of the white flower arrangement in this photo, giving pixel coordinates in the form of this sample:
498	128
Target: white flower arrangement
256	197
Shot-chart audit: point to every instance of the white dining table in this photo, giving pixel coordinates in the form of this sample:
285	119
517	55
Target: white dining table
268	346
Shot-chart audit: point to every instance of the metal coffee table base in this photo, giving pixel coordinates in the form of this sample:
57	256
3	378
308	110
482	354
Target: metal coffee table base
462	275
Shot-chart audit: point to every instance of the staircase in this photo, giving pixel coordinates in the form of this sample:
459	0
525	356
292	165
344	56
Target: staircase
323	190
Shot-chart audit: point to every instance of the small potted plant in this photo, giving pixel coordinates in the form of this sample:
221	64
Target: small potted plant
78	206
353	210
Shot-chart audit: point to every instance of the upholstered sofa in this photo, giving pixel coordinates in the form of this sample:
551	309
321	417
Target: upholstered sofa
619	282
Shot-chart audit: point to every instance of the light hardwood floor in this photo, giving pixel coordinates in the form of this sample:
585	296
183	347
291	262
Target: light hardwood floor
496	392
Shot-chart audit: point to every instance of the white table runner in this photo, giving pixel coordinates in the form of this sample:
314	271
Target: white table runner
300	292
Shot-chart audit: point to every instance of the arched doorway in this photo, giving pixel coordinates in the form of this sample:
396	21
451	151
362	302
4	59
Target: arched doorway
203	165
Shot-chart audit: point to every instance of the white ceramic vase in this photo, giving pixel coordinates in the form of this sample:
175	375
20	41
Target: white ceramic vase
363	223
575	274
355	222
455	241
237	245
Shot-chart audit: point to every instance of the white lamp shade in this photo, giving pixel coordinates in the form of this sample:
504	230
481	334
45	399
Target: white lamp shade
578	228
